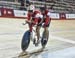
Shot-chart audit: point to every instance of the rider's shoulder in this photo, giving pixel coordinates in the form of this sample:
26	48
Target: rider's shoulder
37	11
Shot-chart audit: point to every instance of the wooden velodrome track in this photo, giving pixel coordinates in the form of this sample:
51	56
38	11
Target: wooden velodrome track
61	38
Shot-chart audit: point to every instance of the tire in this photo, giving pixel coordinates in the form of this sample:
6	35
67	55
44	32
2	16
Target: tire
44	40
25	40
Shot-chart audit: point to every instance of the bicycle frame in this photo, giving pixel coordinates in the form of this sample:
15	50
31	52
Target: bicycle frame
30	35
27	36
32	29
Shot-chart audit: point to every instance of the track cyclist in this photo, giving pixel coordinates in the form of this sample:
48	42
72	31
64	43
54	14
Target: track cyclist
35	17
45	23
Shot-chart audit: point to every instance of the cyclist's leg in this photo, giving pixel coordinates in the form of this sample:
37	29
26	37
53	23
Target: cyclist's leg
45	35
38	29
36	39
38	32
46	31
46	26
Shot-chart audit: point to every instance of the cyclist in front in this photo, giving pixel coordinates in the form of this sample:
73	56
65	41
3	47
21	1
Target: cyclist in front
35	17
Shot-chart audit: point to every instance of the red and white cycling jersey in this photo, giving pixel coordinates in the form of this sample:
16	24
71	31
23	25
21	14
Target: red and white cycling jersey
47	19
37	14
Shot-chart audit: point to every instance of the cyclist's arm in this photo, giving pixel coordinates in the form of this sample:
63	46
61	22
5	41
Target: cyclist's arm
39	16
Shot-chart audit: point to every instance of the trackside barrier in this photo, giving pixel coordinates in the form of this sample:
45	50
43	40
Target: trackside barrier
62	15
10	13
54	15
5	12
19	13
70	16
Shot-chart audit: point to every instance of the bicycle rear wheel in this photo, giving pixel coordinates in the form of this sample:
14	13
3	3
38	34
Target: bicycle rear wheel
44	39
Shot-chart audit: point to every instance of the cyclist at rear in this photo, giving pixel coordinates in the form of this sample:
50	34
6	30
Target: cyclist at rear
45	23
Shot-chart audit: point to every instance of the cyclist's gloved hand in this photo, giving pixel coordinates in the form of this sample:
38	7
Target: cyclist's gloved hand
43	24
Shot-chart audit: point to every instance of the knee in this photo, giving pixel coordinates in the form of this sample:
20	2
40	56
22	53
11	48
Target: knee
46	28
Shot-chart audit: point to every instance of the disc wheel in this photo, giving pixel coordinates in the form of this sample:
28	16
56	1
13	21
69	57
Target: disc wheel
44	40
25	40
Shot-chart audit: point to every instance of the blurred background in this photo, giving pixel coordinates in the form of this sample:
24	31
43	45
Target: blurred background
59	6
